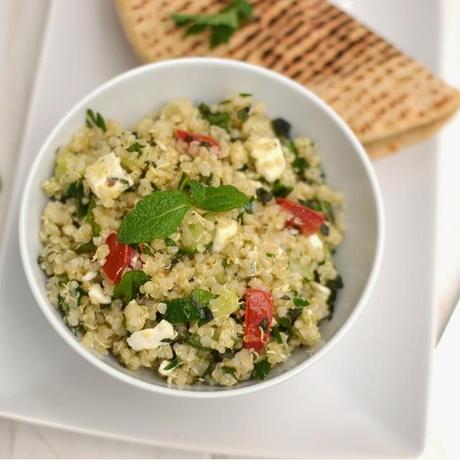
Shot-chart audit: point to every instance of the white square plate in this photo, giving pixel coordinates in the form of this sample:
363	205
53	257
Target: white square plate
366	399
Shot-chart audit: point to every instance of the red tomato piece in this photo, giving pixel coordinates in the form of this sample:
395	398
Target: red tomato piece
192	141
307	220
258	318
121	257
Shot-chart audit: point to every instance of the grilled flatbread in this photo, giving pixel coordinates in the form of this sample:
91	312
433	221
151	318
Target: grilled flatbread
379	91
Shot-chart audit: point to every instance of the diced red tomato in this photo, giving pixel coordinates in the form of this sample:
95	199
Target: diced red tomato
190	142
258	318
121	257
307	220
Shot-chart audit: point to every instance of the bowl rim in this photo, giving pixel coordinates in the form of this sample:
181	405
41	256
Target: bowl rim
61	328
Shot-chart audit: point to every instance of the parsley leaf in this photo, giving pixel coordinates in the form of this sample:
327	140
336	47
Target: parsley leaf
243	114
155	216
281	190
221	119
129	285
300	303
136	147
190	308
77	191
334	285
261	370
85	247
320	205
281	127
95	120
172	364
170	242
222	24
229	370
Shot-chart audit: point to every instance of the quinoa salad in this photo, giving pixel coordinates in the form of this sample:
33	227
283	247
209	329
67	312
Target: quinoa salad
197	244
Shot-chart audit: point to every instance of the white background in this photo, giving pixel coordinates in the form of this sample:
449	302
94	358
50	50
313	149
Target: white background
21	27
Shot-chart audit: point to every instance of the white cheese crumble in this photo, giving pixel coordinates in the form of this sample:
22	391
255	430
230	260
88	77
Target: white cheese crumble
270	161
149	339
107	179
314	241
225	231
97	296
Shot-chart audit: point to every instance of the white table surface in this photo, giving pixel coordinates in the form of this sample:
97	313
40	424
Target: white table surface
21	26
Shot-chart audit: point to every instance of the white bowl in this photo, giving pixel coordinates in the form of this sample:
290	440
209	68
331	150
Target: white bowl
134	94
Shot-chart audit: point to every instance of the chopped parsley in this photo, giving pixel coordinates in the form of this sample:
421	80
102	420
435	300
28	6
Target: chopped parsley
282	128
221	119
261	370
172	364
86	248
136	147
280	190
276	334
243	114
95	120
334	285
129	285
300	303
191	308
222	24
229	370
320	205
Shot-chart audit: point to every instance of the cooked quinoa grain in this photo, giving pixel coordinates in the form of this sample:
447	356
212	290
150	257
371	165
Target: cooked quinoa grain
198	244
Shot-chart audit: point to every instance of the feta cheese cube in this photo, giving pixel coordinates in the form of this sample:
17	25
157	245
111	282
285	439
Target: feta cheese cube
107	179
149	339
314	241
225	231
270	161
97	296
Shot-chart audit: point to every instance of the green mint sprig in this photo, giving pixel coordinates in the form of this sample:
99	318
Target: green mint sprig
160	213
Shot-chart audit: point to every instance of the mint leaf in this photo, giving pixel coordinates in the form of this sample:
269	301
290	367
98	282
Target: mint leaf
154	216
216	199
261	370
129	285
